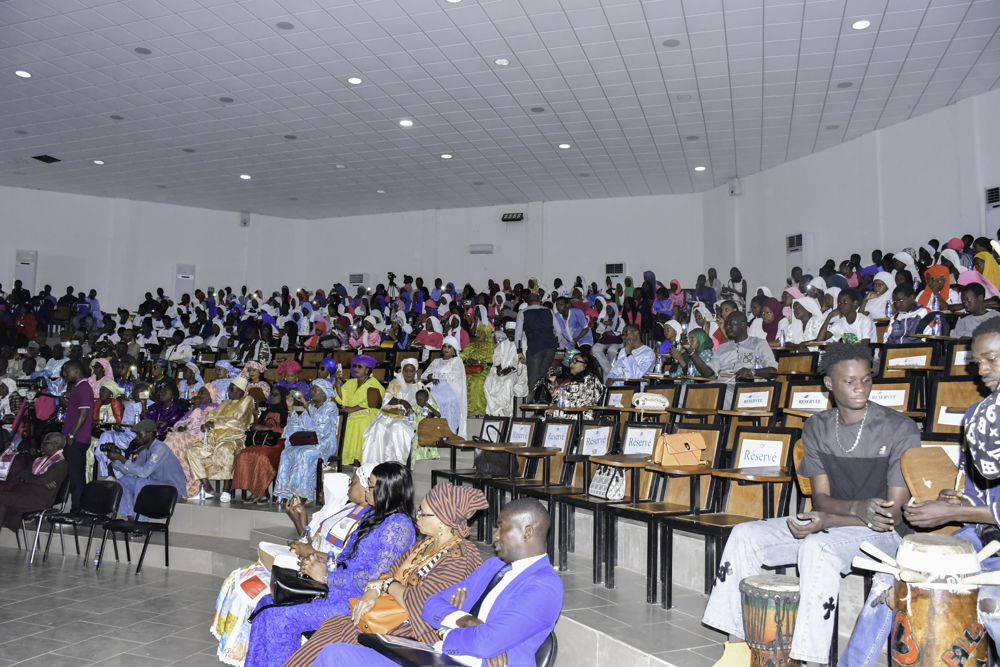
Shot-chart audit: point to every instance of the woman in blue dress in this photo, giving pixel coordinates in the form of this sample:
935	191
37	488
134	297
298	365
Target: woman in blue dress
381	537
297	468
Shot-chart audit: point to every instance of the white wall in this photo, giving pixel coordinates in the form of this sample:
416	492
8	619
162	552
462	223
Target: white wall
892	188
896	187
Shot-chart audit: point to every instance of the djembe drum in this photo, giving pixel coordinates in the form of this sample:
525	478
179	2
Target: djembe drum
770	605
936	607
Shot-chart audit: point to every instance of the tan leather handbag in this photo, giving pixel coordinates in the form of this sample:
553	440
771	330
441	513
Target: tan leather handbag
679	449
384	617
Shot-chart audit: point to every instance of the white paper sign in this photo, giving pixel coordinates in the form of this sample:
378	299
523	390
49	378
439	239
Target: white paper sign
759	453
595	441
810	400
888	398
555	435
640	440
491	431
963	357
520	434
951	416
753	399
919	360
615	399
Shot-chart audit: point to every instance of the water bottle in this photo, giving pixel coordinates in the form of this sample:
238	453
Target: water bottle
888	309
562	398
935	303
426	411
781	338
691	369
756	362
937	325
659	364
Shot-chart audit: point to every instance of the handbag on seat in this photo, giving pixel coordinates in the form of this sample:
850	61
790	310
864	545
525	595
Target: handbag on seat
679	449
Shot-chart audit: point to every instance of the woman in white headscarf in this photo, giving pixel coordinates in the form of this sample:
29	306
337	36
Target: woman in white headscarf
446	379
704	320
507	378
390	435
879	296
807	320
950	259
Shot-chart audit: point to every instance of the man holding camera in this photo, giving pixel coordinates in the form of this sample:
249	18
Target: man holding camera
151	462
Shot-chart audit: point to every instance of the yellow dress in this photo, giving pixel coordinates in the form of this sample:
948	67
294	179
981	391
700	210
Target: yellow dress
226	430
357	422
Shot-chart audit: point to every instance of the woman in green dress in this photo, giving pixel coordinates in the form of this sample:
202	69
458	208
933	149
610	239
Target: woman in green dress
479	352
352	396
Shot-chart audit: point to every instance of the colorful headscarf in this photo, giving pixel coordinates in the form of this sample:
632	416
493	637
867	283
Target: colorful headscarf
455	505
364	360
252	365
229	368
970	277
936	271
112	387
451	340
952	256
324	386
289	367
701	339
811	305
955	244
771	330
330	364
991	270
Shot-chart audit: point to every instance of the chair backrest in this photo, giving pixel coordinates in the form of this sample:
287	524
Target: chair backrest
620	396
545	656
258	395
62	494
800	362
640	438
758	447
928	470
678	489
156	501
307	374
557	433
403	355
949	398
709	396
101	497
378	355
524	431
667	391
762	396
959	361
899	393
805	484
494	429
807	396
343	359
379	373
272	375
209	374
312	359
896	357
284	356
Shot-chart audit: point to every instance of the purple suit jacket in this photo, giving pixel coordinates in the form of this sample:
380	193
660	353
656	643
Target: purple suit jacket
522	617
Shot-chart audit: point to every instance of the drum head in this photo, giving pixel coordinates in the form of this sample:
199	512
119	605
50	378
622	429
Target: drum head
771	583
937	554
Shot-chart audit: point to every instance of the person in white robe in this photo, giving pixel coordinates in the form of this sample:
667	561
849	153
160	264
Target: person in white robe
390	435
445	377
508	377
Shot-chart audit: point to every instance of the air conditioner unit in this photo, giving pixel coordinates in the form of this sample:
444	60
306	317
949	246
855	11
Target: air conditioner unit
800	251
26	269
356	280
481	249
616	272
992	211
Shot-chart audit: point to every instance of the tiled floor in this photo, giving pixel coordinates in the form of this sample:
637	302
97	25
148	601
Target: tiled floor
60	613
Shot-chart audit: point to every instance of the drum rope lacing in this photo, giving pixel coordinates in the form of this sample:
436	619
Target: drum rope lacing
857	439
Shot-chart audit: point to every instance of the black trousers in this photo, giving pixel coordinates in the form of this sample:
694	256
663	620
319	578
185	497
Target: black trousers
76	459
538	366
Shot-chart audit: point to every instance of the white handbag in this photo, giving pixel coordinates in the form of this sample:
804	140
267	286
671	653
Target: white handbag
608	483
649	401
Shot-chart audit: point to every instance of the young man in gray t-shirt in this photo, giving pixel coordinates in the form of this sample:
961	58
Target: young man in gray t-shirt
852	455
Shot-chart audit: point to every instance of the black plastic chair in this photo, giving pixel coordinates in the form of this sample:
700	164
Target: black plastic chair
58	505
545	656
156	501
98	505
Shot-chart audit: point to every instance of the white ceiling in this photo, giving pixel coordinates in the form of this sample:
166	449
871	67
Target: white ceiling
750	84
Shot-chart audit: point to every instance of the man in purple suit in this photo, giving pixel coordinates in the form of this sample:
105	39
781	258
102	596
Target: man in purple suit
501	613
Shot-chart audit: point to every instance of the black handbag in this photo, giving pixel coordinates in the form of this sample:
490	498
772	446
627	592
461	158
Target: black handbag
542	394
266	438
289	588
491	465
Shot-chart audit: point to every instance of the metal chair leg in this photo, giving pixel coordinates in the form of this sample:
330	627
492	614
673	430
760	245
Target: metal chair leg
128	551
48	542
651	561
143	554
100	554
34	543
166	547
90	539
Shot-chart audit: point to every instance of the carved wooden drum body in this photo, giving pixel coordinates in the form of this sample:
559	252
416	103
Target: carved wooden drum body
770	605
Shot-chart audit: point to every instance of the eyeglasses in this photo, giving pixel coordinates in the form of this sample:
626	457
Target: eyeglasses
421	514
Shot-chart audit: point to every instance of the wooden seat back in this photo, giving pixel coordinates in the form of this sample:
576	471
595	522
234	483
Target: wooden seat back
756	397
639	438
805	484
959	361
258	395
895	358
748	499
312	359
702	397
343	359
798	362
283	356
899	393
949	398
667	391
927	470
805	396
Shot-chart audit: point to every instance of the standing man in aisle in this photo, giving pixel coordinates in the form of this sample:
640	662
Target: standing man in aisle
77	427
539	325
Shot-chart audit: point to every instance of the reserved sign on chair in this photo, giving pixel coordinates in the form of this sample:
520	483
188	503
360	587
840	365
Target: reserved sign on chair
760	453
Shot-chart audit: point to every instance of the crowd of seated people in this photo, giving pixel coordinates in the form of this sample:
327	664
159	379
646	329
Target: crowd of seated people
125	391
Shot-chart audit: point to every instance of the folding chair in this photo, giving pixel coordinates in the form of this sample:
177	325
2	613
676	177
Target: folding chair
156	501
98	505
58	506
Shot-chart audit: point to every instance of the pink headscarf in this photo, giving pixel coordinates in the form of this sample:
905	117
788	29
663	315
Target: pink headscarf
955	244
94	383
797	294
976	277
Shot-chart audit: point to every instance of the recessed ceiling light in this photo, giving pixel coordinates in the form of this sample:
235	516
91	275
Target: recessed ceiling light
21	73
672	42
20	131
340	166
245	177
285	25
116	117
683	98
692	137
585	174
354	81
98	161
699	168
537	109
861	25
406	123
503	62
564	146
225	100
291	137
380	192
454	2
188	150
844	84
142	50
446	156
478	183
833	127
293	199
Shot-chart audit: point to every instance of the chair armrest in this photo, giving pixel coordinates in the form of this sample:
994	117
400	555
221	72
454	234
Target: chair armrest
533	452
681	471
746	413
622	460
577	458
766	474
694	412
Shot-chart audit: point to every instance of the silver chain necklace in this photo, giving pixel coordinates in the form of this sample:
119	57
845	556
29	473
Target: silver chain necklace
857	439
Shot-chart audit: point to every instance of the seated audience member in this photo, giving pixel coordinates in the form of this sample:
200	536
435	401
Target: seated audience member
974	300
253	347
190	381
879	298
508	378
741	356
225	373
319	416
385	533
698	344
977	507
582	387
390	436
911	318
150	462
367	336
663	311
478	354
165	410
807	320
256	465
846	324
178	352
608	336
253	372
573	325
443	558
187	433
858	493
225	433
445	378
634	360
289	371
344	505
937	286
108	413
33	487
